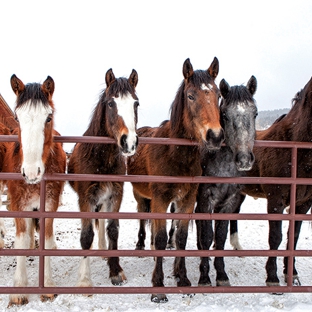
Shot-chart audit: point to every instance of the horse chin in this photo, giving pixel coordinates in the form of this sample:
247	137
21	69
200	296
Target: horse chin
128	153
32	181
245	168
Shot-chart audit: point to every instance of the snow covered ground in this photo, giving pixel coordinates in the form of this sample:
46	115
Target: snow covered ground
242	271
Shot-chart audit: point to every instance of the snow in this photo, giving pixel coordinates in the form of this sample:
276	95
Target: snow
241	271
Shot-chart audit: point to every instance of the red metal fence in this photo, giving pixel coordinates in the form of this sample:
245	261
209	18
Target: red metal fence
41	252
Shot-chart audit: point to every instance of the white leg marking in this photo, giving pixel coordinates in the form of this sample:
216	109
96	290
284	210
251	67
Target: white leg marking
84	278
235	242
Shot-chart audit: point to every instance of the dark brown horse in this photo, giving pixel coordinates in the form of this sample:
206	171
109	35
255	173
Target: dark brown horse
276	162
34	154
194	115
114	116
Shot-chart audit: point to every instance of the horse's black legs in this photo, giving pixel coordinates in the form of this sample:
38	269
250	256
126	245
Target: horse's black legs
295	273
179	270
116	273
221	230
204	233
275	238
233	225
143	205
159	241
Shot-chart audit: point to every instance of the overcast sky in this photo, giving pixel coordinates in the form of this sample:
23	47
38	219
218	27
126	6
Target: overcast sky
76	42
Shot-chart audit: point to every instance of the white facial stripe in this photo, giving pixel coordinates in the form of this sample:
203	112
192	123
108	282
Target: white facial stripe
205	87
126	111
32	121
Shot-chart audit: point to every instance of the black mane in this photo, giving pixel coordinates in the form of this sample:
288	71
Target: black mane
32	94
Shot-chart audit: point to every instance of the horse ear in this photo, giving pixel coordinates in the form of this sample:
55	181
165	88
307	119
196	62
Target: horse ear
48	86
133	79
187	69
213	69
17	85
224	88
109	77
252	85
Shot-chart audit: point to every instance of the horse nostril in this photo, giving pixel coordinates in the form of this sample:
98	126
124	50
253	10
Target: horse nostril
23	173
39	171
252	157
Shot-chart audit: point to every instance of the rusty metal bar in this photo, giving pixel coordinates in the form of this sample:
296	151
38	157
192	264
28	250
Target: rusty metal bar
42	252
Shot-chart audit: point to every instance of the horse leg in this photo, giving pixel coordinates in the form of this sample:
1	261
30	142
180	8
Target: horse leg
159	237
275	238
234	241
221	230
171	243
179	270
143	205
204	234
23	239
116	273
2	233
296	281
49	244
86	240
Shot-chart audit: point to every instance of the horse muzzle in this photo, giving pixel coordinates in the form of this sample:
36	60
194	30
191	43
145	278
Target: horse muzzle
244	161
32	176
214	139
128	145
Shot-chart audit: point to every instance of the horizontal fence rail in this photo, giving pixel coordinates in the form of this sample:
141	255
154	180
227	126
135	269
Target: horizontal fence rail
41	252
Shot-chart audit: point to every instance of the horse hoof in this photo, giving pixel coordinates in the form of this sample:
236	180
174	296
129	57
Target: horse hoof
223	283
17	300
159	298
188	295
119	279
208	284
45	298
274	284
295	282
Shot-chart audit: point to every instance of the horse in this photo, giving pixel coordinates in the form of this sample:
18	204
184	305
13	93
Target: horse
238	113
114	116
195	116
34	154
276	162
4	130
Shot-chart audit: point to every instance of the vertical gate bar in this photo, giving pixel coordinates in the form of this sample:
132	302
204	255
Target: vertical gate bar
42	232
292	212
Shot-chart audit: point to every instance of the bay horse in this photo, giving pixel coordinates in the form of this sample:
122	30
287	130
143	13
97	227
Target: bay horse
295	126
34	154
238	113
195	116
114	116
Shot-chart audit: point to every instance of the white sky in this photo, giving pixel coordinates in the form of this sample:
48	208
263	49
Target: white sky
76	42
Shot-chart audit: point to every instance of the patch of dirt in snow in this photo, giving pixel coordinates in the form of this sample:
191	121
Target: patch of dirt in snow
242	271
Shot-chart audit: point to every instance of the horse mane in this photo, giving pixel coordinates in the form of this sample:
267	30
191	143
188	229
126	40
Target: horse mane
97	125
239	94
177	107
33	94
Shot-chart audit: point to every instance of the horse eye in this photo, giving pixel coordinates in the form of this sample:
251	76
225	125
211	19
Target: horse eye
256	115
16	119
191	97
49	119
110	104
136	104
224	117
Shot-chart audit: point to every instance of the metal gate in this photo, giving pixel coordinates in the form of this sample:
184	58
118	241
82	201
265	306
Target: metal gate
41	252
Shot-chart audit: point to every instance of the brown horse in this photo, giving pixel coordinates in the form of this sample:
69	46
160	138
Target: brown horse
34	154
194	115
114	116
276	162
4	130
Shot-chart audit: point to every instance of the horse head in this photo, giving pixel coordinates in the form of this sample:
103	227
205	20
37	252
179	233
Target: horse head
34	113
195	110
121	105
238	113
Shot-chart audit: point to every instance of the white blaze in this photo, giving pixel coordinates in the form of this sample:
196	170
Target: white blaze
125	107
32	121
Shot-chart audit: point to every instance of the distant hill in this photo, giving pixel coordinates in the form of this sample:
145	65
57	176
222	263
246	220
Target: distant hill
267	117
